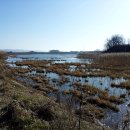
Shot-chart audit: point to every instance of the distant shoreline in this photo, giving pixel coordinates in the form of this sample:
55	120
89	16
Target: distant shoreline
26	53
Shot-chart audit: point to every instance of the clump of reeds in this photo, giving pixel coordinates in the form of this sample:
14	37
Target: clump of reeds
91	111
20	70
33	63
103	103
113	99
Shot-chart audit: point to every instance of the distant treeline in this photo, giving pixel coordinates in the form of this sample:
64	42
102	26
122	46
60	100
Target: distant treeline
117	44
33	52
119	48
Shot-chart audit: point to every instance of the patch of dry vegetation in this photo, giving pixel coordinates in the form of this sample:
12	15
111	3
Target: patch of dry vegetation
33	63
115	60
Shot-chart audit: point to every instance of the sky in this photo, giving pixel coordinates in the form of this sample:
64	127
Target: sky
66	25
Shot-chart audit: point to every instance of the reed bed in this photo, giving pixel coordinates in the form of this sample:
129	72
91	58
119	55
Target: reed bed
114	60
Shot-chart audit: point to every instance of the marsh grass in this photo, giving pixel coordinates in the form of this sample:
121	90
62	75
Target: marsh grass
117	60
33	63
103	104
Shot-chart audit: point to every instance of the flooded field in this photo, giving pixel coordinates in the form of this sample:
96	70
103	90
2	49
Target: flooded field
64	76
58	58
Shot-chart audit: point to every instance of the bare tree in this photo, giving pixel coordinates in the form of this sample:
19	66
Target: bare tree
115	40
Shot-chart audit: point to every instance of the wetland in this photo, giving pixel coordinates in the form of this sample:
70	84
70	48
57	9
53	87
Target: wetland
95	89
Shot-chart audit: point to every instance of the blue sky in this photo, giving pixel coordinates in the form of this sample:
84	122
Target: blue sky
62	24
